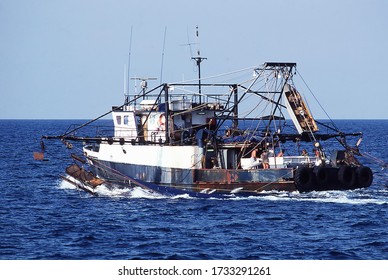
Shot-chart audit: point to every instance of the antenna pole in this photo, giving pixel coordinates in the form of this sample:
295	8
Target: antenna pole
126	93
126	82
198	59
164	43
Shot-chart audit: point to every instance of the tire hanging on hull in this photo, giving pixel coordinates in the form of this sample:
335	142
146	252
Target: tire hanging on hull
364	176
331	178
323	177
304	179
347	176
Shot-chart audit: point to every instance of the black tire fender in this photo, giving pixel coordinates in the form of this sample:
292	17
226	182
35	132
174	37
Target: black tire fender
364	176
321	175
347	176
304	179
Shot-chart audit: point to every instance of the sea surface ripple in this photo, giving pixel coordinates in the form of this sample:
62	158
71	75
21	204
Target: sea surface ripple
43	217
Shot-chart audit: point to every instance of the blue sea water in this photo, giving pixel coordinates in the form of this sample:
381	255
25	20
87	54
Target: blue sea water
43	217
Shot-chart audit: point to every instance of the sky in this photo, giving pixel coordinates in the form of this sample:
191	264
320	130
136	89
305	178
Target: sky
65	59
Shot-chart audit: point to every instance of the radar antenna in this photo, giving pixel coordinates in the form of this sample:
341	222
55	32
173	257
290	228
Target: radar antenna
143	83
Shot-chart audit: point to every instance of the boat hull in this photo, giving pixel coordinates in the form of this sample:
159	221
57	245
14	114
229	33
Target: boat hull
213	182
178	170
205	181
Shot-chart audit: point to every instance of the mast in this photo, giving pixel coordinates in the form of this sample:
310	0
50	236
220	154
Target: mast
126	71
198	59
235	106
164	43
167	113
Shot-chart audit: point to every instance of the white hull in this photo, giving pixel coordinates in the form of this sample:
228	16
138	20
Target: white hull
183	157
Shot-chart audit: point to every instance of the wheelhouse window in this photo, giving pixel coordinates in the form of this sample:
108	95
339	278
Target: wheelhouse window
118	120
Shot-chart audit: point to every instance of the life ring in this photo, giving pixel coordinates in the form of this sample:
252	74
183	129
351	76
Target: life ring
304	179
364	176
347	176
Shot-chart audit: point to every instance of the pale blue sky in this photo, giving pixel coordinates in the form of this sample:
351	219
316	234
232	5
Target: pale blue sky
65	59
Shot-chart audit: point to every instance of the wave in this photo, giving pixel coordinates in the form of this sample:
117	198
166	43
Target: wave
341	197
119	192
358	197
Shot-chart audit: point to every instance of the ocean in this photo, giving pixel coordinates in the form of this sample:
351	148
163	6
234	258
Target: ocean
44	218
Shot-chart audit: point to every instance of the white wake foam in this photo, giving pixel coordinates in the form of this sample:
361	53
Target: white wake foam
65	185
119	192
343	197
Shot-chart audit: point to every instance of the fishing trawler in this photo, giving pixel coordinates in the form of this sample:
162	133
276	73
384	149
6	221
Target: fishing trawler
215	139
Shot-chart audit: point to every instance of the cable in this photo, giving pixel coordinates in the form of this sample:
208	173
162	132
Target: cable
316	99
219	75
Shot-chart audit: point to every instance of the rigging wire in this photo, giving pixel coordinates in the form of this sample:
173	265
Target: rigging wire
316	99
306	121
383	163
274	181
217	76
105	114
